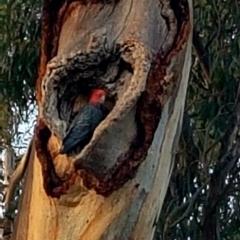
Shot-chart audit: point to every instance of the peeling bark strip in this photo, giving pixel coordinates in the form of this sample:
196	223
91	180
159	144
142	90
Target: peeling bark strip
109	45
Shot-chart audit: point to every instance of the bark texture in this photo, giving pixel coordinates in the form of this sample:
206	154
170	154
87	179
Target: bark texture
140	52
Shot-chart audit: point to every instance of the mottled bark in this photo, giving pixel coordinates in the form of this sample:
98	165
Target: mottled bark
139	51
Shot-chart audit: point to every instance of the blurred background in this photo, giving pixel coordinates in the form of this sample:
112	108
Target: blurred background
204	193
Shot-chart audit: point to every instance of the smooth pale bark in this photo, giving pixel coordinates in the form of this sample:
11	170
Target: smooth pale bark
131	207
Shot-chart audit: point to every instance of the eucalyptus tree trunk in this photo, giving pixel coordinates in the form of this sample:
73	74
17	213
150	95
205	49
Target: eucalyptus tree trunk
139	51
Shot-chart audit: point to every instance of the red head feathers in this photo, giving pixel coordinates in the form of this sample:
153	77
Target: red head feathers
97	96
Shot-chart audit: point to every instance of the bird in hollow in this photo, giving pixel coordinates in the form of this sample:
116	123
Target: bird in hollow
85	122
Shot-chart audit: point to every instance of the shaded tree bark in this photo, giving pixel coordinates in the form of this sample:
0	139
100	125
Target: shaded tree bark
140	52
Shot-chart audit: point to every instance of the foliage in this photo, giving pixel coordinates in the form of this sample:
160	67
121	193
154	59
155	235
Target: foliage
204	191
19	46
19	59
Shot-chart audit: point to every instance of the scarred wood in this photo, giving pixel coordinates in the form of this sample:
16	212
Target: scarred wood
108	170
130	157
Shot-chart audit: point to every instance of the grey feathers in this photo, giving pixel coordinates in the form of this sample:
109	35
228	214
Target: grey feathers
82	127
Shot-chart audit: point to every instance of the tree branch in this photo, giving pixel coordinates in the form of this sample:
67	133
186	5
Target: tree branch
203	57
16	176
